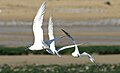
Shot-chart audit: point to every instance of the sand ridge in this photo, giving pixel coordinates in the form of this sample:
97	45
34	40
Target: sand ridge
50	59
60	9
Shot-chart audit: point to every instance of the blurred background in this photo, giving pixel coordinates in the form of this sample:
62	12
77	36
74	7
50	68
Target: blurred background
94	21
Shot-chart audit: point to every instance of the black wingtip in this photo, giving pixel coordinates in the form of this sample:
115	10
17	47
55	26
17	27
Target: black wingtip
62	29
69	36
65	32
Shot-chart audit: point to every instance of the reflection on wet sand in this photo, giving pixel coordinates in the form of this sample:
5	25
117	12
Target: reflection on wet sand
19	33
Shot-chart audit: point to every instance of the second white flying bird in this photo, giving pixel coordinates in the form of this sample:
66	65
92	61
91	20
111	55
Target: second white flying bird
53	49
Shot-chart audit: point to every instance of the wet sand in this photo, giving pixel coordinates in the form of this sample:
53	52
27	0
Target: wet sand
50	59
23	36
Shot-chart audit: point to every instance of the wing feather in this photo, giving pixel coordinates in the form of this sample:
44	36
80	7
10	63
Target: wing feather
39	16
50	33
38	21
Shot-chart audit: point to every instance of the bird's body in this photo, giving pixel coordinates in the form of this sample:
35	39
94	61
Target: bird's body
76	52
37	30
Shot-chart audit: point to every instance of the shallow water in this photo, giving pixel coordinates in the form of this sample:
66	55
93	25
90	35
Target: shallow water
98	22
96	32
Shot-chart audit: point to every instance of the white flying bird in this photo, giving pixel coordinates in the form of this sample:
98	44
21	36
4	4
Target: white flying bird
39	44
53	49
76	52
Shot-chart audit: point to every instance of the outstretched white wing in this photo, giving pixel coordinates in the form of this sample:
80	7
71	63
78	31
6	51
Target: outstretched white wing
50	34
39	15
38	21
66	47
90	57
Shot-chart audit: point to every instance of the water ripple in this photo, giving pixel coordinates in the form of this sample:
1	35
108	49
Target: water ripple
100	22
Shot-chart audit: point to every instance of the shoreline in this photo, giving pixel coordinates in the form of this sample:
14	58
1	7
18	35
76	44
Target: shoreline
50	59
95	35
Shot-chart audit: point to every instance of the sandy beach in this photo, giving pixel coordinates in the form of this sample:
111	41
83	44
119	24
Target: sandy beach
64	60
60	9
